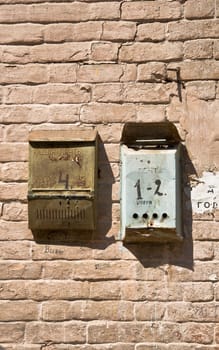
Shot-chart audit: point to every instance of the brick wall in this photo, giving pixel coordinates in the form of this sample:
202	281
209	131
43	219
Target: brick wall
103	63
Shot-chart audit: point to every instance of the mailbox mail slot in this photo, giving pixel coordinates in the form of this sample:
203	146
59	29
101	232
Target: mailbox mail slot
150	184
62	179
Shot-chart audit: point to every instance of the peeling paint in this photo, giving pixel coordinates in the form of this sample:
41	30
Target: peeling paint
205	195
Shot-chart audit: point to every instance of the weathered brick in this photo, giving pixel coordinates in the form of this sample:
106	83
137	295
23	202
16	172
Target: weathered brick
205	230
87	310
216	49
105	290
62	73
13	191
198	70
99	73
104	51
10	152
204	90
149	311
14	211
198	49
96	270
150	113
203	271
118	31
21	34
151	32
203	251
189	312
46	94
59	12
139	92
193	30
37	114
17	133
19	270
19	311
57	290
141	10
23	74
15	250
67	52
151	71
113	137
14	231
136	290
48	252
12	332
144	52
194	291
73	32
107	113
199	9
13	290
38	332
198	333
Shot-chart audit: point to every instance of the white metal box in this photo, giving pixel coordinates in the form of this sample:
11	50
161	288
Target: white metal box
150	193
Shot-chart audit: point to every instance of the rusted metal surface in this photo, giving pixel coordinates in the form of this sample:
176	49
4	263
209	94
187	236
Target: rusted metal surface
62	179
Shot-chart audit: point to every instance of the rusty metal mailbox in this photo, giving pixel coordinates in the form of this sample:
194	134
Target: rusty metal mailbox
150	182
62	179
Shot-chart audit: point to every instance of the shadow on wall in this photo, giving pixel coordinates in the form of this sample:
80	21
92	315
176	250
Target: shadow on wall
104	212
180	253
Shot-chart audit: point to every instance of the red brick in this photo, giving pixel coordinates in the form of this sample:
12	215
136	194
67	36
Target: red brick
14	211
118	31
21	34
198	70
141	10
149	311
136	290
10	152
73	32
62	73
12	332
105	290
189	312
19	270
151	32
14	231
203	90
104	51
15	250
46	94
45	13
194	291
107	113
17	133
87	310
144	52
48	252
18	311
38	332
99	73
138	92
198	49
193	30
13	191
96	270
199	9
57	290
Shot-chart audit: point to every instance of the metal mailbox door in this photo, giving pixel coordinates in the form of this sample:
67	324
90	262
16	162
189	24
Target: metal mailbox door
150	192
